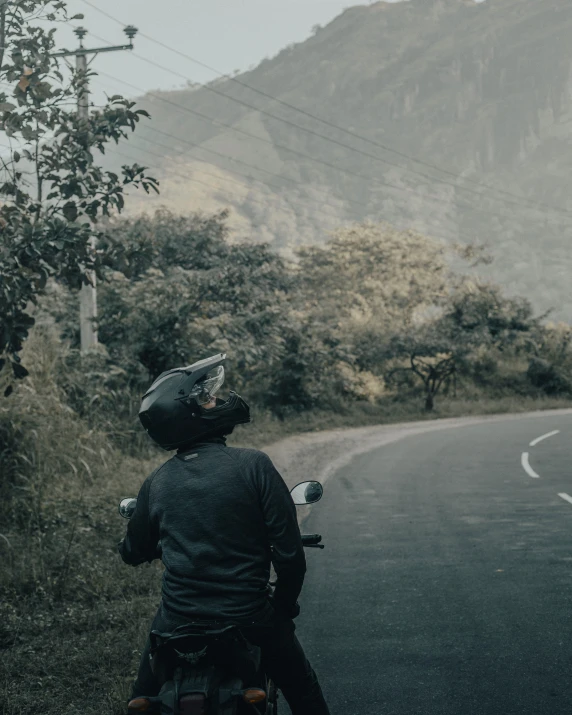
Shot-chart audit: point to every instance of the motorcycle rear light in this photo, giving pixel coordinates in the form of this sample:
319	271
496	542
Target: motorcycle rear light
253	695
139	705
194	704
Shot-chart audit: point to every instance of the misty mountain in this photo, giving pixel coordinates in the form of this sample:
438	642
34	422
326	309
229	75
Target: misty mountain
479	93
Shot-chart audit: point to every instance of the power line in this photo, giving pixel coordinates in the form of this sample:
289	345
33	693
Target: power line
530	202
241	161
210	185
205	183
213	186
489	212
211	120
359	216
252	166
234	181
224	156
230	158
262	202
275	145
217	122
172	136
239	173
250	178
343	145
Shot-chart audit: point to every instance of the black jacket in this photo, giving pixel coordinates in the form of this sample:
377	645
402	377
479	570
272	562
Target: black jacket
217	510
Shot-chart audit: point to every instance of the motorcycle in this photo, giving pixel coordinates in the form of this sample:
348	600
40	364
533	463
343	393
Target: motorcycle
210	668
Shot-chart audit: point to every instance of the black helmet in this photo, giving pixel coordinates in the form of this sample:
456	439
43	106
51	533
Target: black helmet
172	409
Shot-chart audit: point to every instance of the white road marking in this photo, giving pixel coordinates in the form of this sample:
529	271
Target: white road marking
544	436
527	468
565	496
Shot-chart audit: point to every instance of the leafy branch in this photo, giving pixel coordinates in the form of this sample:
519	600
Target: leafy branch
46	231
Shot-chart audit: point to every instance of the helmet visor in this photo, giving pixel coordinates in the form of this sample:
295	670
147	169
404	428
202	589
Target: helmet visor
208	386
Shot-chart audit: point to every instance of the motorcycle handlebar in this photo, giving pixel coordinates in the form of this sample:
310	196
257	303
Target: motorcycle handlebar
311	539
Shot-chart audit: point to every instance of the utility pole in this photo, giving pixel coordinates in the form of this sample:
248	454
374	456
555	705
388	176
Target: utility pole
88	293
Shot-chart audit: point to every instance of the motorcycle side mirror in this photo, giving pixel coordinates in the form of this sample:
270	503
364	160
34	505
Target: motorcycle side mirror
306	493
127	507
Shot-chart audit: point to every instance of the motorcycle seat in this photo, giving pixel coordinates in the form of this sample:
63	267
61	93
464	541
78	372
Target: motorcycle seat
204	644
199	628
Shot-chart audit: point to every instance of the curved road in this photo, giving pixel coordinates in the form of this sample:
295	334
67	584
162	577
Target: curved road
445	587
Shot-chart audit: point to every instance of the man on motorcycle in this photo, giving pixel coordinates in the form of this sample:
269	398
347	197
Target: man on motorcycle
218	517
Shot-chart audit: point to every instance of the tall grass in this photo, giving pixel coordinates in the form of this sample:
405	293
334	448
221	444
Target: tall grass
71	613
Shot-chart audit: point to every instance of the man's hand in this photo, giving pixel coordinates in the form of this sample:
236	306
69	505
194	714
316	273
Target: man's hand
285	611
142	537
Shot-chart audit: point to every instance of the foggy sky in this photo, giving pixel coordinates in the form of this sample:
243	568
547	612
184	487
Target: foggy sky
226	34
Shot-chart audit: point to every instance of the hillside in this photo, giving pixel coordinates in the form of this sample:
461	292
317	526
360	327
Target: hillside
481	90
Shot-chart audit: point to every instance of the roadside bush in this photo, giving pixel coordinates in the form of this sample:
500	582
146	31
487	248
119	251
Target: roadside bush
49	453
484	369
103	391
549	378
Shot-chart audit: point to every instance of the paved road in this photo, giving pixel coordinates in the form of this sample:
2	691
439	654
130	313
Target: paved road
446	583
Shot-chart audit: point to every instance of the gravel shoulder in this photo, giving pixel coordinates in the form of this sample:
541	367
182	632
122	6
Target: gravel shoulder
319	455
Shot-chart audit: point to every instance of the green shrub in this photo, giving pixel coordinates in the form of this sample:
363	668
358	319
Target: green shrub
548	377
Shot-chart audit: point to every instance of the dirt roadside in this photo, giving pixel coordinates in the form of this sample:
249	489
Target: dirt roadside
319	455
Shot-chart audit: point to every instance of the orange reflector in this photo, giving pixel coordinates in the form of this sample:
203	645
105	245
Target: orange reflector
253	695
139	705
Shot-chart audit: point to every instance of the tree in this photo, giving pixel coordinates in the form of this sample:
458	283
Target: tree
550	378
480	310
550	363
183	291
432	358
46	226
475	315
191	293
288	388
374	274
371	282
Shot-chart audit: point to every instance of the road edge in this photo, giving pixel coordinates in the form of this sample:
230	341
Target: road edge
319	455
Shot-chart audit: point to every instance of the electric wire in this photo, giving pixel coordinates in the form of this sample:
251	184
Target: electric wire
359	216
209	184
264	202
181	139
275	145
250	178
230	158
264	183
471	207
211	120
113	150
217	122
520	199
246	176
186	176
347	146
234	181
252	166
